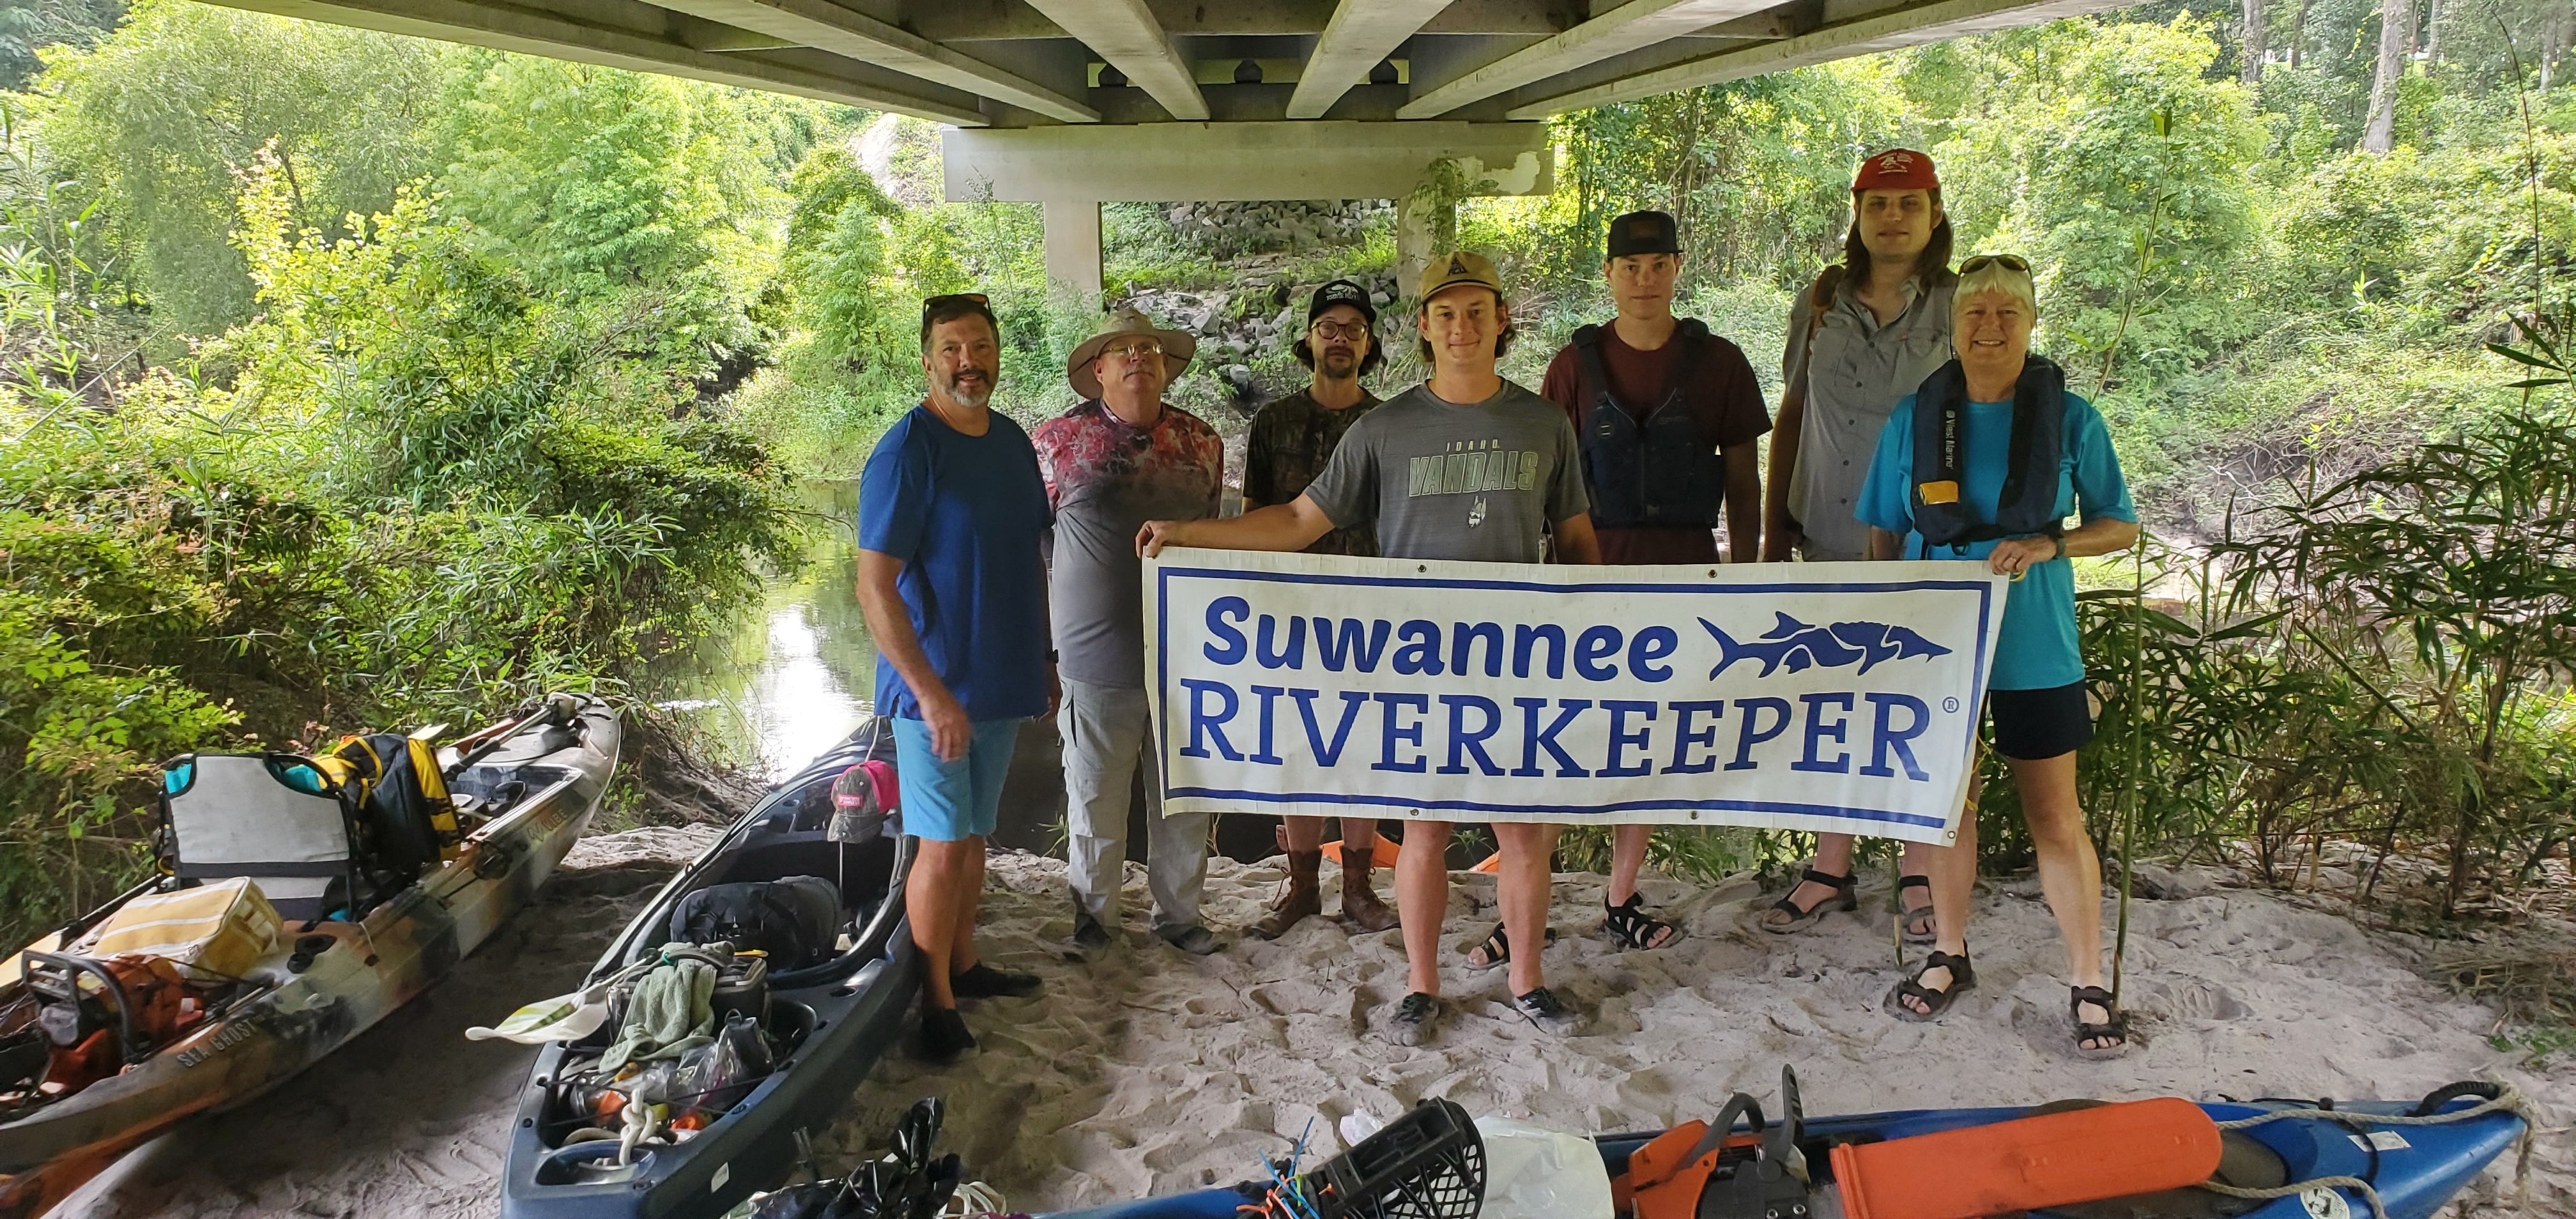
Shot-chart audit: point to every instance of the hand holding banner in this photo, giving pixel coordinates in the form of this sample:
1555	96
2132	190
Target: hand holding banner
1822	696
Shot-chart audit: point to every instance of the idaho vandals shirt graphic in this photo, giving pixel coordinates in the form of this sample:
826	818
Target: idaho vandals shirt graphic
1477	482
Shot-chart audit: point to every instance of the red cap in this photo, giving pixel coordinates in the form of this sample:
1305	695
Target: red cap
1897	169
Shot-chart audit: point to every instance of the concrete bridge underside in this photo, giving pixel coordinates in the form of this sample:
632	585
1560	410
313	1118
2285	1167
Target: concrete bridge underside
1245	99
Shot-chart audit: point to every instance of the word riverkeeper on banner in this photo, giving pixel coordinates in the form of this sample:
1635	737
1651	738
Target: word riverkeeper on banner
1813	696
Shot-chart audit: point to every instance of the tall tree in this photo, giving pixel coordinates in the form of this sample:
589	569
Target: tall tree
2251	71
2396	31
163	114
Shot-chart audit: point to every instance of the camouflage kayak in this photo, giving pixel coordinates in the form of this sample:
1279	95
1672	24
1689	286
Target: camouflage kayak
325	979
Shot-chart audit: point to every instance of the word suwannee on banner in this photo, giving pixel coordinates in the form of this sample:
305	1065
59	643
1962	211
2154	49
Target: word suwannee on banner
1816	696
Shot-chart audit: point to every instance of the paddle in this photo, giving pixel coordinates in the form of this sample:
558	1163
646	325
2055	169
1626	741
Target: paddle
558	709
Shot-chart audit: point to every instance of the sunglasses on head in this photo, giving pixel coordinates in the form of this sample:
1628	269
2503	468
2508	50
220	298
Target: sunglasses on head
937	303
2009	262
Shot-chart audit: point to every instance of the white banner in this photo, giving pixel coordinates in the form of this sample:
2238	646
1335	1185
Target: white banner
1815	696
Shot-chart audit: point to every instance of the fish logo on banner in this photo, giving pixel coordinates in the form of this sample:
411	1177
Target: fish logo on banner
1802	647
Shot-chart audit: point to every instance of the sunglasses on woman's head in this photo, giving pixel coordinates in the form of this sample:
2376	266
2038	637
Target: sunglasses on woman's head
2009	262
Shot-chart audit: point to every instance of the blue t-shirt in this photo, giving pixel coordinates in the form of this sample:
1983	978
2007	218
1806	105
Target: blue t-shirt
2037	649
965	515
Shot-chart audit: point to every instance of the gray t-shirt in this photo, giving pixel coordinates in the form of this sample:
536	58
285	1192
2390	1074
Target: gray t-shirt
1443	481
1854	375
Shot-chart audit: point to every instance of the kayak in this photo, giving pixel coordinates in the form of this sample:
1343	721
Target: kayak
2313	1157
587	1144
152	1041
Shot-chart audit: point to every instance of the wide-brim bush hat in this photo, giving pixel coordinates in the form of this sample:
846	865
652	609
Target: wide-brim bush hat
1178	347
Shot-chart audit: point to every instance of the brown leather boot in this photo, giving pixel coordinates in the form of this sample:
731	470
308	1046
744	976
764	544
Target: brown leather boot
1303	900
1360	906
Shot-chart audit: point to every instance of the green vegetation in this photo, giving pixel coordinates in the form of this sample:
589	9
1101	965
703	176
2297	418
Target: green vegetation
434	457
350	379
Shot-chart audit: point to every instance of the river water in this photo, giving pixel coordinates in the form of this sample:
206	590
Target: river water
796	674
799	672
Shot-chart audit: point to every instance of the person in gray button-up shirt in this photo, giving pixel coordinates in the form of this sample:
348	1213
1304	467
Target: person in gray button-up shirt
1863	337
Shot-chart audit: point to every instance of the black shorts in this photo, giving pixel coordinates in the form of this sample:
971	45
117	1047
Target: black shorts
2034	724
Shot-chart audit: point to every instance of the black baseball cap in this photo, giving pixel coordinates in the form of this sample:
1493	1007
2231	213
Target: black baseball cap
1341	292
1643	233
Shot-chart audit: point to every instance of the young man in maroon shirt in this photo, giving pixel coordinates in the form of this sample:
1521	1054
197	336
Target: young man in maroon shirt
1667	415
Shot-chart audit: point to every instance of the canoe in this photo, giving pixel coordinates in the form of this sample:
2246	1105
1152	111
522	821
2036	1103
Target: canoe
2415	1166
827	1023
527	798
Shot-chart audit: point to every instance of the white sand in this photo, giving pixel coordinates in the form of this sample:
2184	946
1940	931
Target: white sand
1151	1071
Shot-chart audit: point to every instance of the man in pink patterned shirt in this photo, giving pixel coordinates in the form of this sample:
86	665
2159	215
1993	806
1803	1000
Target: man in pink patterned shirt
1121	458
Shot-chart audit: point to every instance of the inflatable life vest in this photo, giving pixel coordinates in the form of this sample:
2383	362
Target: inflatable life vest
2028	505
401	796
1648	468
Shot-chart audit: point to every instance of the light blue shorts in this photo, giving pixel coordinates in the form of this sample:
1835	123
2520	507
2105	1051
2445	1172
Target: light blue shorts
951	801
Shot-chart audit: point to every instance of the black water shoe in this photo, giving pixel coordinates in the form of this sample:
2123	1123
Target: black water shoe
986	982
943	1035
1416	1020
1550	1013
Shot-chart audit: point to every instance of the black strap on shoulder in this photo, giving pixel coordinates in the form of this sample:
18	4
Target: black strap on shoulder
1587	354
1695	339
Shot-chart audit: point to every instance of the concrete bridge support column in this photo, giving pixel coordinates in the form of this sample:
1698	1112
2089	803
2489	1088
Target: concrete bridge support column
1422	226
1073	247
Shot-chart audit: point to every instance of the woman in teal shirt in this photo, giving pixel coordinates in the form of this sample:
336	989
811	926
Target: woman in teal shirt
1916	508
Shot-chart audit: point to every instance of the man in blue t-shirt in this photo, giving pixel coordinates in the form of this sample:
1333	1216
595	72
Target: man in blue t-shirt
951	512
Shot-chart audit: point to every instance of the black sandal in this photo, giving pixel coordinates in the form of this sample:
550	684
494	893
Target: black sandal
1629	924
1803	917
1962	977
1498	949
2114	1030
1909	916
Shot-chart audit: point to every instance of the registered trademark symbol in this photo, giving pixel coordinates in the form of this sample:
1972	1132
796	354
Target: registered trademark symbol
1950	705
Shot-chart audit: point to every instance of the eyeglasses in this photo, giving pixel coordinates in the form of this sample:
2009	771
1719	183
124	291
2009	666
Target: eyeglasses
2009	262
952	299
1133	349
1341	330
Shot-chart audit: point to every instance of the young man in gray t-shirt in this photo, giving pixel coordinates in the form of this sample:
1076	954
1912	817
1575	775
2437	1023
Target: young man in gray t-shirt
1465	466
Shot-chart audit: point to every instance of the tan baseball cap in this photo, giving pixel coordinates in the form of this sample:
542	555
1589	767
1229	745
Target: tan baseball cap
1459	267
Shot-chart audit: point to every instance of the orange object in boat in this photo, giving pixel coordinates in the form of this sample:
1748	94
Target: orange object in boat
1663	1181
2056	1159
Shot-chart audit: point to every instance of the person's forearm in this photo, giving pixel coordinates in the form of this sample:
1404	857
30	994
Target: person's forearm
2108	535
1576	542
1743	504
1885	545
890	625
1784	451
1277	527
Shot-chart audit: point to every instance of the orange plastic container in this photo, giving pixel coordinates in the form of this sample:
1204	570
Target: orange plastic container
2057	1159
1383	857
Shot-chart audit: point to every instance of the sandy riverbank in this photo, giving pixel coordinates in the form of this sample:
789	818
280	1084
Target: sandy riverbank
1147	1071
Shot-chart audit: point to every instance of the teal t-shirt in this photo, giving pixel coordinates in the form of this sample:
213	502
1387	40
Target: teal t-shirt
2037	649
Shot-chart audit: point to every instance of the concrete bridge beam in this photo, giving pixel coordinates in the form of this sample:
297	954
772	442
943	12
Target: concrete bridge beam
1072	170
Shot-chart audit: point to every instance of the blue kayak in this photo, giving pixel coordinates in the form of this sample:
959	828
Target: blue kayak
2414	1166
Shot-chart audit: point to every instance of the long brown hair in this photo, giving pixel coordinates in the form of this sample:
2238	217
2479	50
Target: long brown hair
1931	266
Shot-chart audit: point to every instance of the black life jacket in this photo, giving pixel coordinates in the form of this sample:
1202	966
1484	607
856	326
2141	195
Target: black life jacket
1655	471
2028	505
